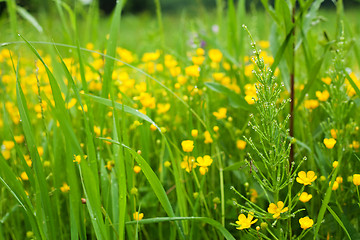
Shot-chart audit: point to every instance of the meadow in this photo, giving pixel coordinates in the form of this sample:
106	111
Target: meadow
237	122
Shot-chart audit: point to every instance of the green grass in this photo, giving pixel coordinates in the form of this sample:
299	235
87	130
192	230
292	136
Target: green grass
131	116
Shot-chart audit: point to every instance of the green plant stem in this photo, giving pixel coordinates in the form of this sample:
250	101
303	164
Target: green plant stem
159	19
328	194
222	194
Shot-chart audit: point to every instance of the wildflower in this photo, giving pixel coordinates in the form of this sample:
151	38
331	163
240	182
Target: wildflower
77	159
277	209
215	55
188	163
356	179
253	195
306	222
137	169
220	114
163	108
204	162
192	71
152	127
339	179
240	144
335	164
355	144
167	164
311	104
8	144
208	138
250	99
335	185
264	44
326	80
64	188
138	216
6	154
200	51
216	128
245	222
187	145
322	96
198	60
19	139
218	76
329	142
305	197
333	133
306	178
109	165
194	133
24	176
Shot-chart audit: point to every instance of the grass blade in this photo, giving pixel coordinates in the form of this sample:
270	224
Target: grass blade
210	221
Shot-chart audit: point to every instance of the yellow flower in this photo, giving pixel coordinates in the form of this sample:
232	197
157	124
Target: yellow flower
77	159
335	185
250	99
329	142
198	60
254	195
192	71
306	178
187	145
276	209
245	222
152	127
6	154
305	197
194	133
220	114
163	107
200	51
8	144
188	163
137	169
356	179
204	162
264	44
24	176
355	144
109	165
19	139
240	144
64	188
335	164
326	80
339	179
311	104
138	216
215	55
333	133
306	222
208	138
322	96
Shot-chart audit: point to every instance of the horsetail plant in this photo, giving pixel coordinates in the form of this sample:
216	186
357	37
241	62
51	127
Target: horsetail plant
271	168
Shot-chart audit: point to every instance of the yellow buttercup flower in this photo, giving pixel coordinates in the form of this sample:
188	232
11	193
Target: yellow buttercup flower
192	71
204	163
215	55
322	96
8	144
333	133
306	178
64	188
194	133
329	142
311	104
335	164
277	209
24	176
245	222
356	179
138	216
208	138
187	145
240	144
306	222
220	114
326	80
137	169
188	163
305	197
